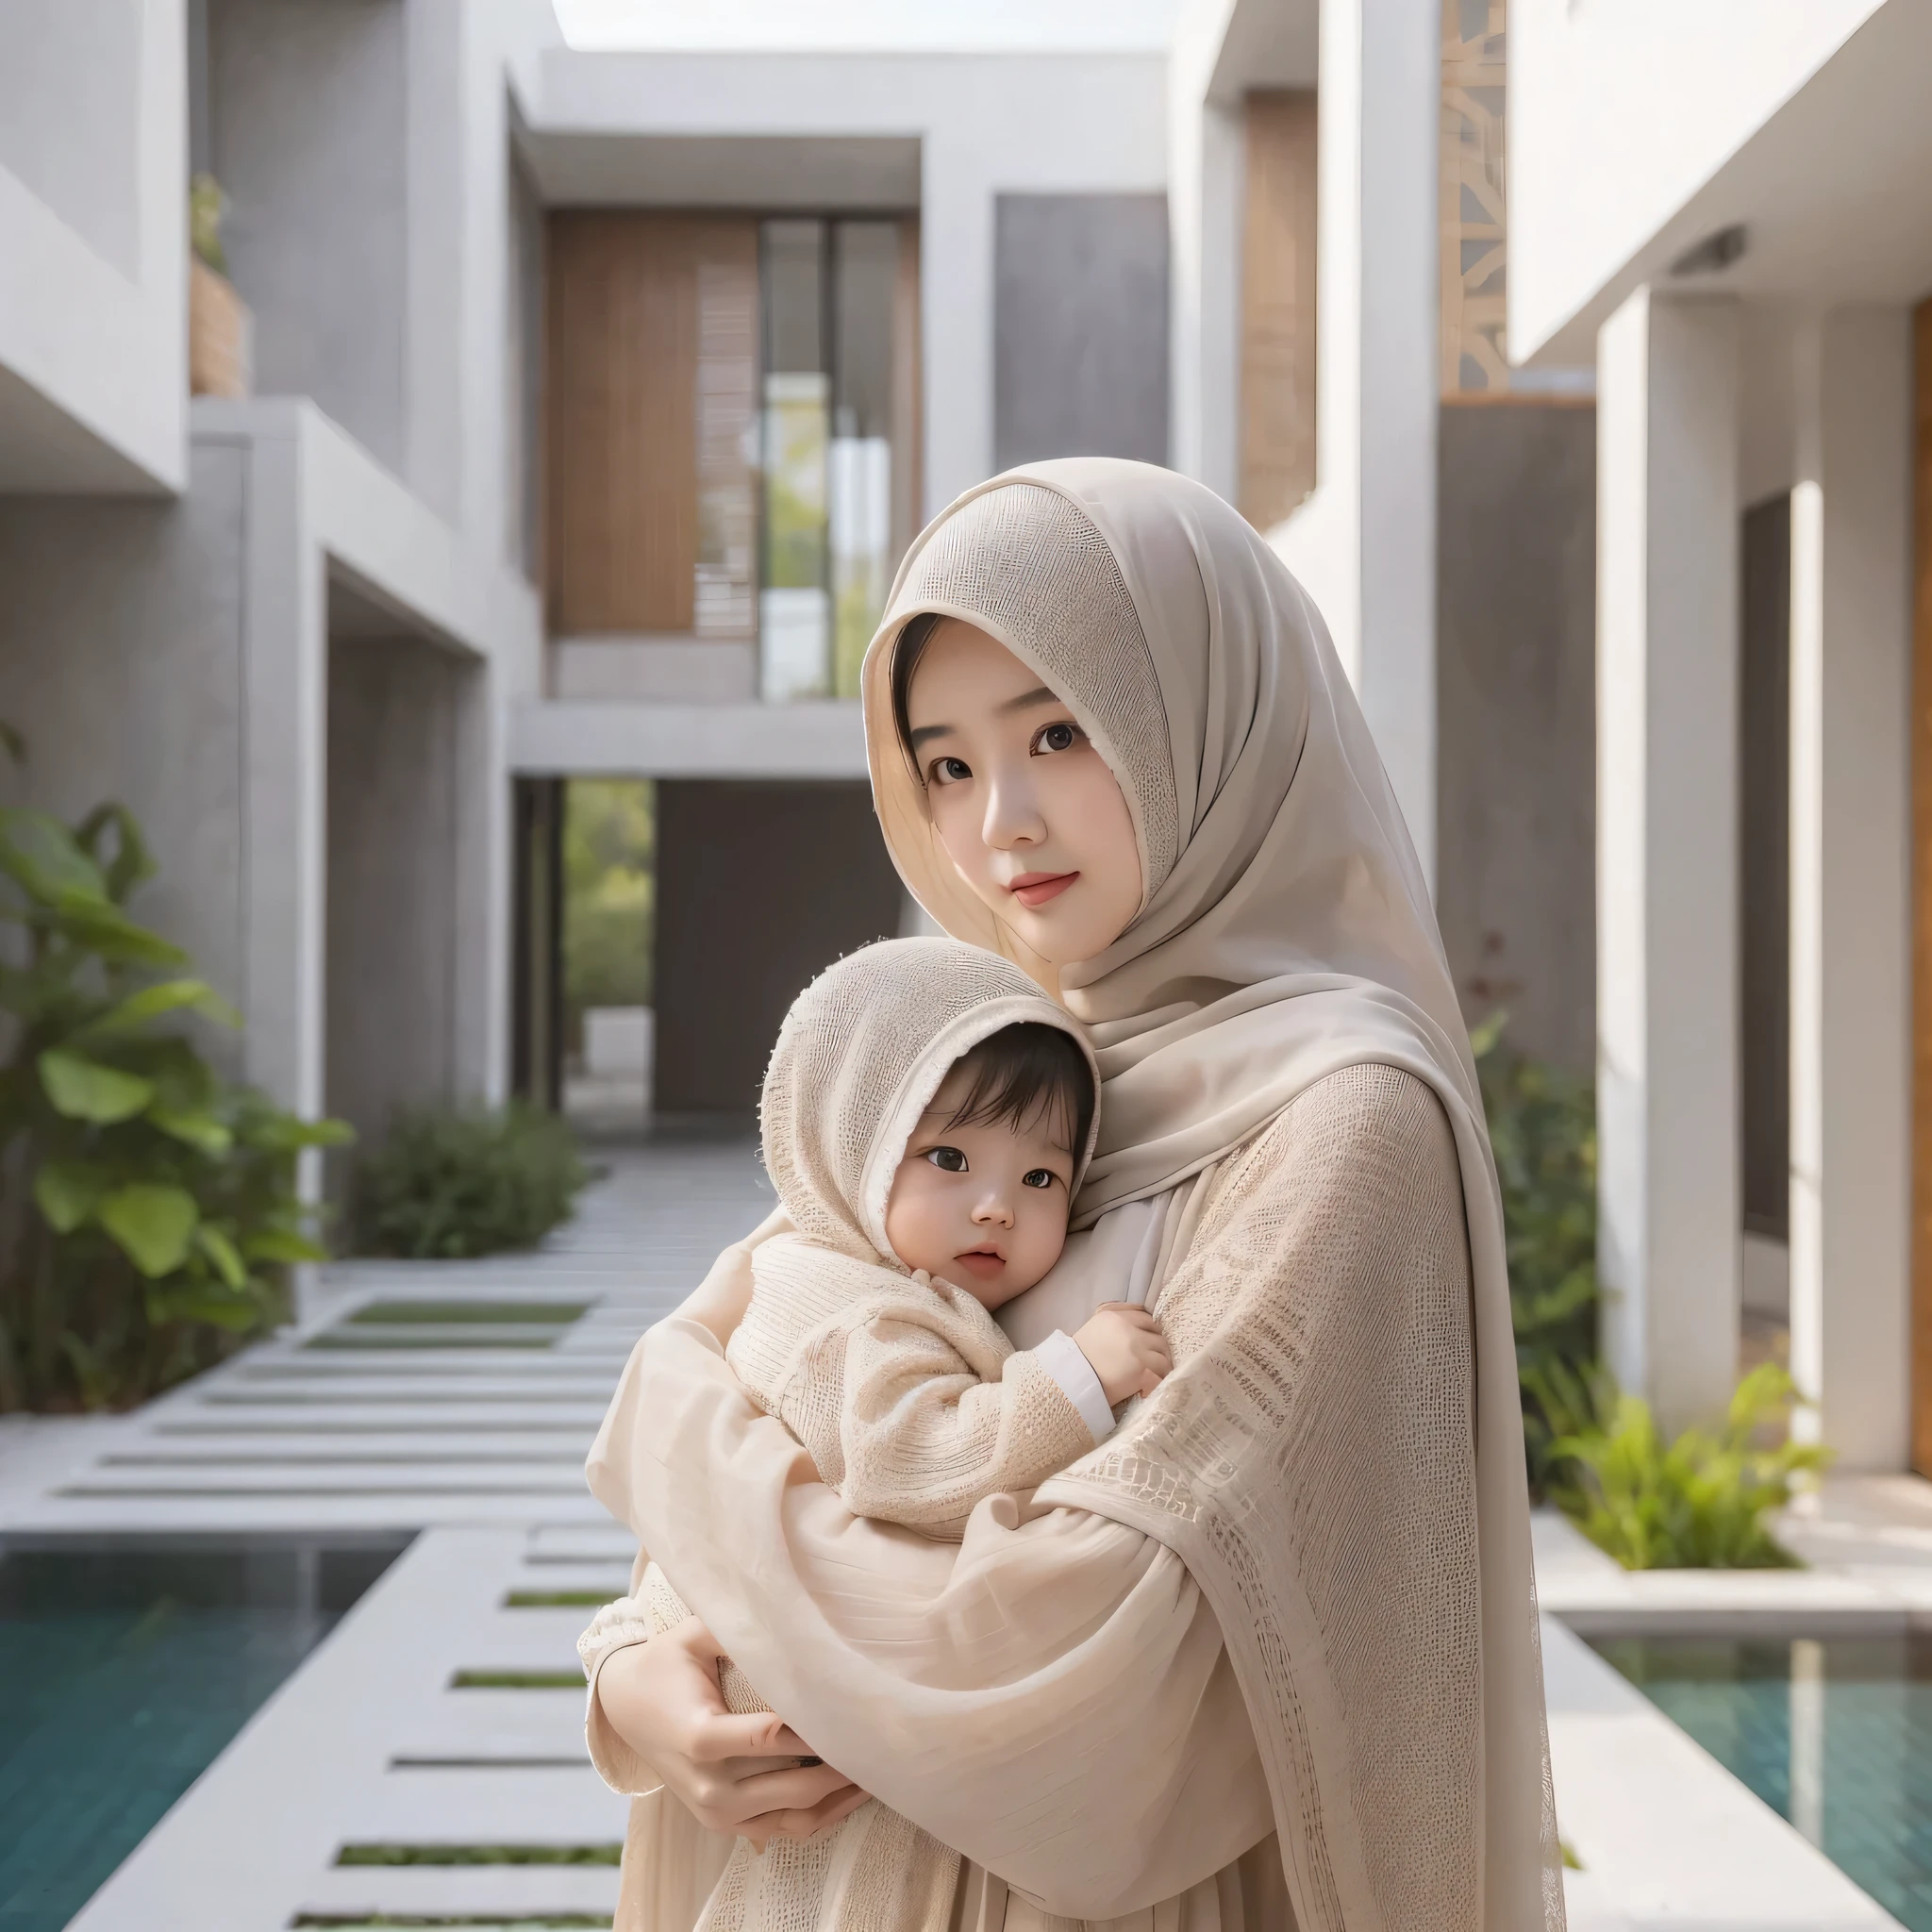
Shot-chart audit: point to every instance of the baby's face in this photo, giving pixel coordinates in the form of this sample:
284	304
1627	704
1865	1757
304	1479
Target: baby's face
984	1208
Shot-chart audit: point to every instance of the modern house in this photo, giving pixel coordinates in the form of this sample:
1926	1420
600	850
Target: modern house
564	411
1742	234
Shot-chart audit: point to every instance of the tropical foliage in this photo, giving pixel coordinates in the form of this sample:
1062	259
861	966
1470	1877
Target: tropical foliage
1543	1126
609	844
447	1185
1697	1503
153	1204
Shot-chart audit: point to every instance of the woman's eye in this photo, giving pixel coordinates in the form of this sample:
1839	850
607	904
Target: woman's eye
1039	1177
950	771
1059	736
950	1158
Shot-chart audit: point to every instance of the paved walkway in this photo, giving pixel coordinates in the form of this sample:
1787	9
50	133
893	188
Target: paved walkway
454	1401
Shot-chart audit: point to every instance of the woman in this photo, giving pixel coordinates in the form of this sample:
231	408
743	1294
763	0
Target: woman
1268	1656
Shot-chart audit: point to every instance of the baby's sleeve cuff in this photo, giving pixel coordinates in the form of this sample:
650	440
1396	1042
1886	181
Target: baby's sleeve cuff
1060	1356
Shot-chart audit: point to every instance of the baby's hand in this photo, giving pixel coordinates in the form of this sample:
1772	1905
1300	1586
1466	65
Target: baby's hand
1126	1349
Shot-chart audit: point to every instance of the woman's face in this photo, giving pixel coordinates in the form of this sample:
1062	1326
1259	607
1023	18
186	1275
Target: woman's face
1025	805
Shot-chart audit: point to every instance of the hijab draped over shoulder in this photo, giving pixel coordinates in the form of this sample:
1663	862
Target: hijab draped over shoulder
1285	933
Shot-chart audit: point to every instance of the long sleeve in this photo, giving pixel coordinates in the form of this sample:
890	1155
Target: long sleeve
904	1392
925	1439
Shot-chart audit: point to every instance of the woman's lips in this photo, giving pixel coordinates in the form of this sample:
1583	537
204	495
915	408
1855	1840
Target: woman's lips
1033	889
984	1262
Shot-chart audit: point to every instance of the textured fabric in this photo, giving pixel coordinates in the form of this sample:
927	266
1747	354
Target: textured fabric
860	1057
905	1391
1290	936
1056	1699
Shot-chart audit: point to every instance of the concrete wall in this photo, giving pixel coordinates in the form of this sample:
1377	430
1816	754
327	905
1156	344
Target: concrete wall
394	800
93	235
1516	692
121	661
1080	306
309	105
1042	122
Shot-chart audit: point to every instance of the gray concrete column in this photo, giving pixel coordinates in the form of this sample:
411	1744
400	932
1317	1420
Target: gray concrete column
1669	1248
1851	859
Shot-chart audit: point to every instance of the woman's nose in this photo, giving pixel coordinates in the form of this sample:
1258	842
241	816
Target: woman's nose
1012	814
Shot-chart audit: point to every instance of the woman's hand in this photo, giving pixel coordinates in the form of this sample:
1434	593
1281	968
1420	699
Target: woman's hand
733	1774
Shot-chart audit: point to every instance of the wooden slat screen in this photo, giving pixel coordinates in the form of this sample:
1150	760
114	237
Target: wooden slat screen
1278	396
623	419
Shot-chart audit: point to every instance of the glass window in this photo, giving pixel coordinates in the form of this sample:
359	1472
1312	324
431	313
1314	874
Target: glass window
794	605
865	267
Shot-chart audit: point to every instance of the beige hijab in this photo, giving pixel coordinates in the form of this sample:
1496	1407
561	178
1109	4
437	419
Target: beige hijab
861	1053
1284	933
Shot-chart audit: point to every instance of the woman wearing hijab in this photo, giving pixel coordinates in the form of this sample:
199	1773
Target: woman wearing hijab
1267	1657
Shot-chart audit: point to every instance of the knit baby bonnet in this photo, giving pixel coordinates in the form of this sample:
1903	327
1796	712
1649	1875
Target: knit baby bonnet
861	1053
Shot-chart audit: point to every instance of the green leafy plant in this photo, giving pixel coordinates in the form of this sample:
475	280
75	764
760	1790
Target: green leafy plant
164	1203
205	206
1543	1126
1697	1503
609	838
450	1184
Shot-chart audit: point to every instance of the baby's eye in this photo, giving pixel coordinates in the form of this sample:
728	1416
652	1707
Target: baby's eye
950	1158
950	771
1059	736
1039	1177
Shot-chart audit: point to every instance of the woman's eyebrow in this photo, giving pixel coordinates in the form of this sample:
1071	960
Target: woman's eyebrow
1027	700
928	731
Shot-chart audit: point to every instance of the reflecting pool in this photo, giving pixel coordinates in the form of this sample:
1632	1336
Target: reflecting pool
125	1668
1835	1733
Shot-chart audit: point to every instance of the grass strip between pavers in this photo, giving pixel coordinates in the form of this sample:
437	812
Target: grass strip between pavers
517	1680
478	1854
476	1314
554	1600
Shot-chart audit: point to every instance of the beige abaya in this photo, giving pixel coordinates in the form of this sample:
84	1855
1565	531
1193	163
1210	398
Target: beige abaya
1267	1657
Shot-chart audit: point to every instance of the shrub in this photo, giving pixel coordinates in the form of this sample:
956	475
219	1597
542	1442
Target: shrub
164	1208
1543	1126
1699	1503
448	1185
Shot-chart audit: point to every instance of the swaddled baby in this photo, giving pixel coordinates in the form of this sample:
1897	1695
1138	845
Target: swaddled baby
927	1115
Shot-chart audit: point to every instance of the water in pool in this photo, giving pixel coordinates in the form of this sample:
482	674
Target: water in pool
1836	1733
125	1668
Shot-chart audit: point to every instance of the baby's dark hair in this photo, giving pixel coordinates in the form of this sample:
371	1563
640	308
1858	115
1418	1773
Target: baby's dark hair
1022	1071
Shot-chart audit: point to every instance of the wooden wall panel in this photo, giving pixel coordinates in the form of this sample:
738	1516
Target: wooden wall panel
1277	395
908	457
623	469
1922	890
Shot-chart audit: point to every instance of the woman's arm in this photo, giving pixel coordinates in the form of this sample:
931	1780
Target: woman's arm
1055	1703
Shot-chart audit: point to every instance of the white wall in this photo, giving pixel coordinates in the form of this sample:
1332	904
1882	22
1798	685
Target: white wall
1042	122
93	222
1619	114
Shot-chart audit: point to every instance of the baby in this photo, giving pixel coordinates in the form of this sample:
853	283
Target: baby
926	1116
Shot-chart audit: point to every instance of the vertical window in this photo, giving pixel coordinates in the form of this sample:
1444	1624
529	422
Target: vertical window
831	318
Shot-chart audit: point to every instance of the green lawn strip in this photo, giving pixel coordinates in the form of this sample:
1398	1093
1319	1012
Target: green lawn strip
478	1854
477	1314
556	1600
343	1339
517	1680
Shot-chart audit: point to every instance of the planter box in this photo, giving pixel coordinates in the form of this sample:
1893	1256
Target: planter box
220	335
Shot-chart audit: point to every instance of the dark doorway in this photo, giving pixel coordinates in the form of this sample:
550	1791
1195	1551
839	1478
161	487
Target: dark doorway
760	886
536	1016
1764	740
